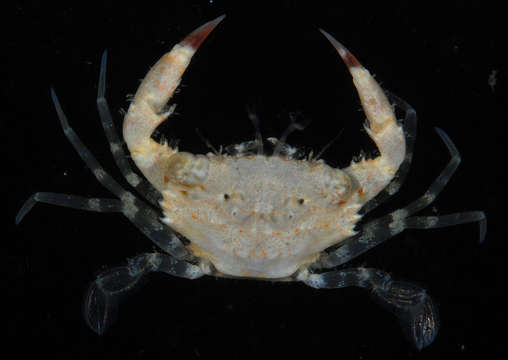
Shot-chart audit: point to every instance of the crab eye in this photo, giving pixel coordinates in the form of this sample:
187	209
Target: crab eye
187	169
337	183
301	201
226	197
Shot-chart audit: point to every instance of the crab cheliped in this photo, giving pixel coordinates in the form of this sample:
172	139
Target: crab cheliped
243	213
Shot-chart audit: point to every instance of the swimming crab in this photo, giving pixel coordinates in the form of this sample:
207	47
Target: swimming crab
243	213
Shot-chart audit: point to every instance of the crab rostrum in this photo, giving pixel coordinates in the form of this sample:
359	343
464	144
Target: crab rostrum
245	213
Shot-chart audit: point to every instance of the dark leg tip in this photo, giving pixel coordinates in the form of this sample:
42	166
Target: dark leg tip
103	296
417	313
421	325
99	309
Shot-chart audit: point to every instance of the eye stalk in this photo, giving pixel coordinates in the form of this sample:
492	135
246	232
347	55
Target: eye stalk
187	169
338	184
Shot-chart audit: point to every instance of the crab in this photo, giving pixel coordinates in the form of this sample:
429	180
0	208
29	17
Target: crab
244	213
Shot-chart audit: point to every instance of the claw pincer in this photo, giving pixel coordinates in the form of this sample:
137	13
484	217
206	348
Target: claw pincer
374	174
146	111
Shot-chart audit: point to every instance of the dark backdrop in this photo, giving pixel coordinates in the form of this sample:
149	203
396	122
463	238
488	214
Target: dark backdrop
439	59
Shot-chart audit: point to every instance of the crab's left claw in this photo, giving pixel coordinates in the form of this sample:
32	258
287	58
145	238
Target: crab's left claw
148	108
373	175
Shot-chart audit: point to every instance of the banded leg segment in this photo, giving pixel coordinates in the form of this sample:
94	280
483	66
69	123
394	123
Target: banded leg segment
91	162
377	231
146	111
71	201
417	314
102	298
142	186
142	215
148	222
375	174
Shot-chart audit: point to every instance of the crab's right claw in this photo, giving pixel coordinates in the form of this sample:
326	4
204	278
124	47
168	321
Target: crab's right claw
373	175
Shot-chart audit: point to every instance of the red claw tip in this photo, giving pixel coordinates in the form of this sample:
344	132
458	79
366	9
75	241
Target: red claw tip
349	59
196	38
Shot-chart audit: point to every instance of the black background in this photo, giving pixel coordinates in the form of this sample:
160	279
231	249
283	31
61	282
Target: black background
272	57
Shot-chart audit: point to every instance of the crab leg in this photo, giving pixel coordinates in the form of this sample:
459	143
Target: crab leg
103	296
415	309
141	185
374	174
379	230
146	111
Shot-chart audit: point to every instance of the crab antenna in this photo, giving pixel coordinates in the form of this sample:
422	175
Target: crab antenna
207	142
292	127
255	121
328	145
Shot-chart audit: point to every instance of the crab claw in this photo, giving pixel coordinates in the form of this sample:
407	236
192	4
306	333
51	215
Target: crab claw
373	175
147	110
